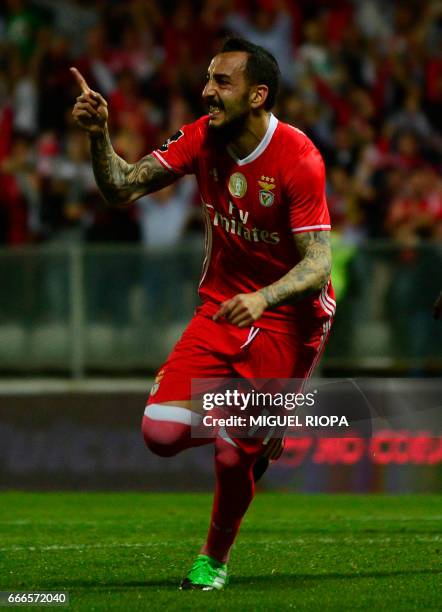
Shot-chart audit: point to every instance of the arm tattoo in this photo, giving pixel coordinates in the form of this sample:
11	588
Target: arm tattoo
120	182
308	276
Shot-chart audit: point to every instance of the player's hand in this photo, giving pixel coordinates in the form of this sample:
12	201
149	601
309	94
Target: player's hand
90	110
437	308
243	309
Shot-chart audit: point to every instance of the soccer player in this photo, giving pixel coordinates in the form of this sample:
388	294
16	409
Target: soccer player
267	301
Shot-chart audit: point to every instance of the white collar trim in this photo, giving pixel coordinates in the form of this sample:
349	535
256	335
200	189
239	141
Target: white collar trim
273	123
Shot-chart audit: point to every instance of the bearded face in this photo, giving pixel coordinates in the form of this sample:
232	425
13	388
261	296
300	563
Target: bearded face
227	95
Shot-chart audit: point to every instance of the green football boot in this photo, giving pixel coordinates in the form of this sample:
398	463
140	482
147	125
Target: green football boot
206	574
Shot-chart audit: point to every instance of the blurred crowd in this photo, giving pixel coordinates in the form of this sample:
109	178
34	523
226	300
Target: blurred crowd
363	78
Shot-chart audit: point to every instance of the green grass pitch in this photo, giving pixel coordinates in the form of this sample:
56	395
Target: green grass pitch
128	551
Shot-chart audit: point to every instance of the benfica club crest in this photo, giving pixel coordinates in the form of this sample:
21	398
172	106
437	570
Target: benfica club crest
266	195
159	377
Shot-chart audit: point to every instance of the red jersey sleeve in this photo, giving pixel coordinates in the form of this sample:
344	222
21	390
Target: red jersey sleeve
306	192
179	152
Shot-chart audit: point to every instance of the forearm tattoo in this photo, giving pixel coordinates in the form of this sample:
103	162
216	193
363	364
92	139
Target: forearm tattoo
121	182
308	276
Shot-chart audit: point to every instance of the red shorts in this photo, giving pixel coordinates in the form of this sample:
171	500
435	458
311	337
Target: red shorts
217	349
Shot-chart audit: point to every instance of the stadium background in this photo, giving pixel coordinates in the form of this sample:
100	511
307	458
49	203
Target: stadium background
92	298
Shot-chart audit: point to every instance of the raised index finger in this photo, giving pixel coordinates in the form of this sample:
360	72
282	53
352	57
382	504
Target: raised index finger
81	81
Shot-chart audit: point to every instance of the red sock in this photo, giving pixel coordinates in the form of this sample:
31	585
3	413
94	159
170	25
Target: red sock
234	491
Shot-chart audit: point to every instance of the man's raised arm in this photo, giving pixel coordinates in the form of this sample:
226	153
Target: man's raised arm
119	182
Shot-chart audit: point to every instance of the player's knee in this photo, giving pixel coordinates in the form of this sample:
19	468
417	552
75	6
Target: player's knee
165	438
229	459
161	437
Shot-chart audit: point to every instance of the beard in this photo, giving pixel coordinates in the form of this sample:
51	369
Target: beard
229	130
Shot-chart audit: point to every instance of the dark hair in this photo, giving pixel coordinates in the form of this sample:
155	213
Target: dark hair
261	69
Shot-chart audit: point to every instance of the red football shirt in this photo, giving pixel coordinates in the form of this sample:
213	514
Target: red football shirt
252	208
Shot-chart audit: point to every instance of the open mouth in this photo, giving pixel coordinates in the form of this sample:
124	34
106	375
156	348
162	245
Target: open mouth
214	111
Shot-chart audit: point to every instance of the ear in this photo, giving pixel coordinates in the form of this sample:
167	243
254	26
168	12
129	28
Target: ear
258	95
